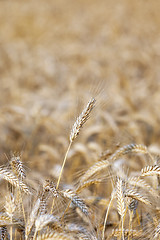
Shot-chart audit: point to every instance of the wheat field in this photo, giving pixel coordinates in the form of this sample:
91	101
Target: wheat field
79	120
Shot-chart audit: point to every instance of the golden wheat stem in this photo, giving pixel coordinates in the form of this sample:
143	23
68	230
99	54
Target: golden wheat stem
64	161
62	218
138	217
122	230
130	224
106	217
15	234
35	234
22	204
11	229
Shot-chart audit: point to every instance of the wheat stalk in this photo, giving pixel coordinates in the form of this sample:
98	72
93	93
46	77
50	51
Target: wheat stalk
83	117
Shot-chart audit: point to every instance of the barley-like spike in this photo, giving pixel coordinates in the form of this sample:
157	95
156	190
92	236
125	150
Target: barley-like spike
95	168
157	231
87	184
137	148
44	220
86	236
3	233
17	167
136	181
32	218
105	163
55	236
136	195
120	202
10	205
5	220
150	170
83	117
116	232
11	178
43	203
76	200
133	205
120	198
51	187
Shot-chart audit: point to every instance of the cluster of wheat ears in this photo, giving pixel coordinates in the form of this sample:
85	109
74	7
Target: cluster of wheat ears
61	213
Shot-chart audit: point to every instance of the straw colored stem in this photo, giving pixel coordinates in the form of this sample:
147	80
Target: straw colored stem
64	161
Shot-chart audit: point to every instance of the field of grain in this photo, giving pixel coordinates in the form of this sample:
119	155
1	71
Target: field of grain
79	87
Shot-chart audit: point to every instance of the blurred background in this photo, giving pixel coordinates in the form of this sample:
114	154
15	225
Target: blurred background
54	56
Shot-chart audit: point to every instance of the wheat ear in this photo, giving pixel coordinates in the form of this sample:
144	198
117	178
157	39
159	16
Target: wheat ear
135	233
3	233
94	169
42	221
55	236
157	231
76	200
137	148
150	170
87	184
121	203
18	170
83	117
17	167
11	178
136	195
